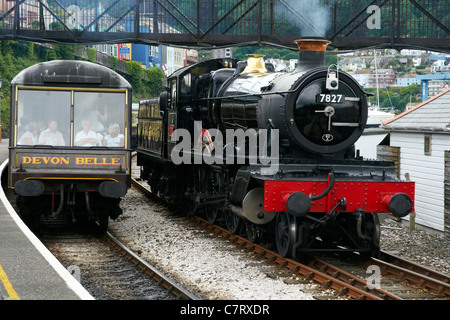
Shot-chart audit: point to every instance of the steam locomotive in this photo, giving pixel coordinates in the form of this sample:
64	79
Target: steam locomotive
271	153
69	142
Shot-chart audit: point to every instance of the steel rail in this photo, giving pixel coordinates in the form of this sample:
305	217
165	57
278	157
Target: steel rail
331	276
156	275
342	275
334	278
326	281
437	283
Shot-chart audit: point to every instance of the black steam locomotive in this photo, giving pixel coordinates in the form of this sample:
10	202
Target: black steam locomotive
271	153
69	142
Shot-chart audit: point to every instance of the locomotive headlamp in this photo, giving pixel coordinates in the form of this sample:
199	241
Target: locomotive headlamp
332	79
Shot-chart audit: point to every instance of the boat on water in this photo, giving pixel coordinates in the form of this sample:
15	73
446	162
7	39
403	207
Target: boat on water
377	116
373	134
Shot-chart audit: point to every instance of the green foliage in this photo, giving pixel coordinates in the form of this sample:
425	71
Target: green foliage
155	82
64	52
143	89
113	62
396	97
240	53
135	77
56	26
91	54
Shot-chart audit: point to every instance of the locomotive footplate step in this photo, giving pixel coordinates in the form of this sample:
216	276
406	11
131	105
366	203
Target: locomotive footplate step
28	271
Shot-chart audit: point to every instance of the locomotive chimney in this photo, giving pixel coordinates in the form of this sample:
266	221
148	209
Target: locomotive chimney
312	52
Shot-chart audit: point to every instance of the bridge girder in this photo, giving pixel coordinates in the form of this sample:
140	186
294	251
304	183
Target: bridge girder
349	24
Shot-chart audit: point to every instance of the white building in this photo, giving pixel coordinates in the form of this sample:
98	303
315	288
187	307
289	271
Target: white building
109	49
411	52
222	53
421	138
175	59
362	76
437	86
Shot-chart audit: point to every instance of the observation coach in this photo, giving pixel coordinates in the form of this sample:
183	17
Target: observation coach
69	141
317	194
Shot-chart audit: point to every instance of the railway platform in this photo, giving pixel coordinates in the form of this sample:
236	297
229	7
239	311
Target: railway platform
28	271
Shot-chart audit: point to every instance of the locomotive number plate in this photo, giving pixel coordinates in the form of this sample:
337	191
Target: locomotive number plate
330	98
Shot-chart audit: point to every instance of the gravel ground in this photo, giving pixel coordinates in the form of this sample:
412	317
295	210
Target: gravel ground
211	267
216	269
420	246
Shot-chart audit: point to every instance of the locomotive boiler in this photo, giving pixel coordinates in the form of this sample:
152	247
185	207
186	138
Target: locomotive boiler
271	153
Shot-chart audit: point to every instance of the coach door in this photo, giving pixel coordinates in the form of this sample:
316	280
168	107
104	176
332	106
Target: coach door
172	116
447	195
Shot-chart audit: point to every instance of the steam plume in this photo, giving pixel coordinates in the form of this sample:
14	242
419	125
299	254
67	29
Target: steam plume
311	16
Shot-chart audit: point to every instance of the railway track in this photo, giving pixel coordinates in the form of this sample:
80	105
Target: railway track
109	270
394	282
105	266
400	279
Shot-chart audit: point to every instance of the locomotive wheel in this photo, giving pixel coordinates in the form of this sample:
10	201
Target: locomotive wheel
215	187
285	233
153	181
254	234
233	222
199	187
211	215
373	228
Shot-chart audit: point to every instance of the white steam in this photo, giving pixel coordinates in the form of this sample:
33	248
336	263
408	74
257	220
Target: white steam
311	16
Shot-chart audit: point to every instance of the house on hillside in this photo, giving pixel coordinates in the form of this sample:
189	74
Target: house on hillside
419	141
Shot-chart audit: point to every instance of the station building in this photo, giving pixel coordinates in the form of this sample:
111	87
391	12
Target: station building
419	143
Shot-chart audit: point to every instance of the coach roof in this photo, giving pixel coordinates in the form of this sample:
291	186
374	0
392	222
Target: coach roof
70	72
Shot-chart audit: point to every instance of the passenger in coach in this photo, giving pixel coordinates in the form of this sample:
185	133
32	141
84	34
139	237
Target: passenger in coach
51	136
29	138
86	137
97	119
114	138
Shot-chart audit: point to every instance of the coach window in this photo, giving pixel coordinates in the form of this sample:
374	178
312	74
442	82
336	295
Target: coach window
42	111
99	119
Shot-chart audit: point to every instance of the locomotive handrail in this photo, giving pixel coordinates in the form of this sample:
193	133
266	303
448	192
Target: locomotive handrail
281	93
327	190
249	95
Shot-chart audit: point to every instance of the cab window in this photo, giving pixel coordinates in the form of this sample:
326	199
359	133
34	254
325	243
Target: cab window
43	117
99	119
